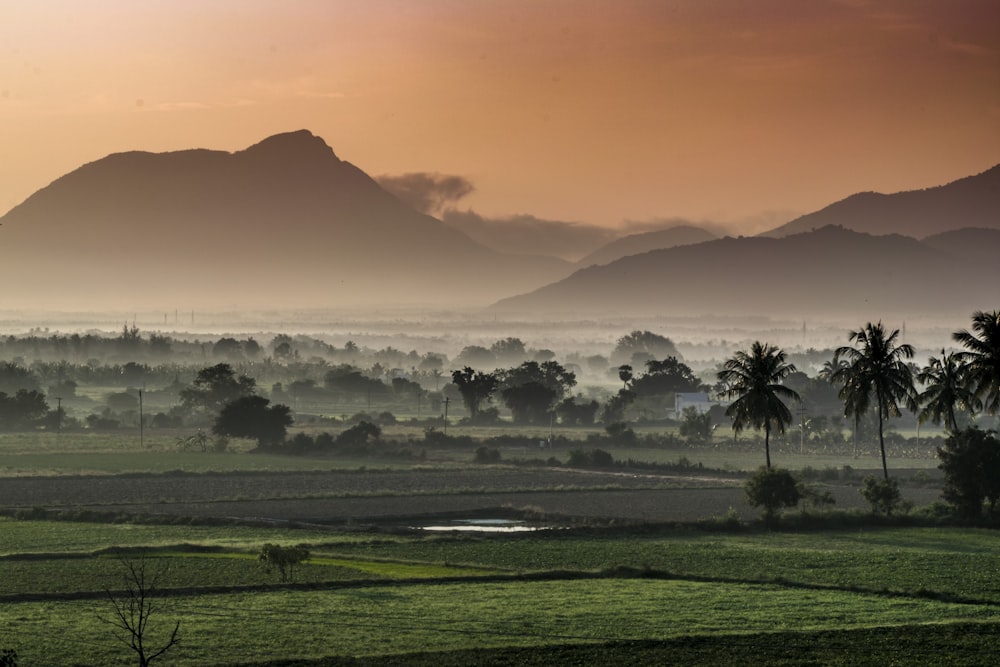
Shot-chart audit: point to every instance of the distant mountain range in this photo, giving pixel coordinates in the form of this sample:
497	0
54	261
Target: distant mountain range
634	244
830	272
973	201
287	224
282	223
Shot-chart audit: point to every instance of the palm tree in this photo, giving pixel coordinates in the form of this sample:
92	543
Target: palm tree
983	357
876	370
830	368
945	389
754	380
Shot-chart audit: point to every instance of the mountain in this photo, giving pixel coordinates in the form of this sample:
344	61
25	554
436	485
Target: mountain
968	202
634	244
971	244
283	223
831	272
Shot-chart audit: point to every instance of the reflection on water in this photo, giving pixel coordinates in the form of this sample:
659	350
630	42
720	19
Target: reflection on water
484	526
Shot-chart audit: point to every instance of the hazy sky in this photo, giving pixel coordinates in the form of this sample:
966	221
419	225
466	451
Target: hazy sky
596	111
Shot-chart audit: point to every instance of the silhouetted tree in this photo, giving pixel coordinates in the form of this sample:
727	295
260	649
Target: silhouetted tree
532	389
475	387
577	412
982	358
23	410
970	460
508	350
876	373
754	380
625	375
945	389
642	346
772	489
216	386
254	417
132	608
668	376
14	377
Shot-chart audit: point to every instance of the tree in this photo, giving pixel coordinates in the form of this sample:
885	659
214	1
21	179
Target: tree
695	425
876	372
642	346
625	375
572	413
668	376
946	388
475	387
529	403
216	386
531	389
772	489
23	410
982	357
359	435
254	417
970	460
881	494
133	607
283	559
754	380
508	350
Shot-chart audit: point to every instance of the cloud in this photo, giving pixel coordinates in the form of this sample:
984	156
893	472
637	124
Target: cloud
427	193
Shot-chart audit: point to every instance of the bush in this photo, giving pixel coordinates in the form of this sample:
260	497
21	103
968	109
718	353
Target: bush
621	434
881	494
282	559
595	458
487	455
970	460
773	489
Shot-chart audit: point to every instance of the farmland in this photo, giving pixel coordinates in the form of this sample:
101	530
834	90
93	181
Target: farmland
631	568
630	542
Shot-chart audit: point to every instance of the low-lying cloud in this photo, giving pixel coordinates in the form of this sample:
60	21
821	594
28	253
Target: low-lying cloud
426	192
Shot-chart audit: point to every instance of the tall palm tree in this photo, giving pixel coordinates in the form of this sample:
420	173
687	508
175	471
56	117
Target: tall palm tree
945	389
876	372
754	380
982	357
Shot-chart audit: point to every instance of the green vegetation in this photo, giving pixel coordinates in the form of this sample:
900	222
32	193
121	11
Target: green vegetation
364	594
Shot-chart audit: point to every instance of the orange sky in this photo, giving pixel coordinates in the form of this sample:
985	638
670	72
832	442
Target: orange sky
595	111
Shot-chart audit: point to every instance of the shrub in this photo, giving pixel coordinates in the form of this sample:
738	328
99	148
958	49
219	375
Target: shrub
595	458
881	494
282	559
773	489
487	455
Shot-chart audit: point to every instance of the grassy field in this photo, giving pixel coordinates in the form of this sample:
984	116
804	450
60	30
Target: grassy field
89	453
605	592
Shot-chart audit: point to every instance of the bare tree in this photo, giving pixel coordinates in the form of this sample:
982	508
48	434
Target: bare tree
133	606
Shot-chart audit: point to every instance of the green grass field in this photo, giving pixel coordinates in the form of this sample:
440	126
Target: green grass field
605	596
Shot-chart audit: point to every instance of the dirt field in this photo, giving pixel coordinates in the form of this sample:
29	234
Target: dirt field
337	497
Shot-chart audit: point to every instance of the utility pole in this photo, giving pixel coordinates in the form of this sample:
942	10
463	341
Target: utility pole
446	401
140	420
58	415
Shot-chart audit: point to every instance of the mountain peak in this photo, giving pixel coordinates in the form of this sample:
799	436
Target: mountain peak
297	145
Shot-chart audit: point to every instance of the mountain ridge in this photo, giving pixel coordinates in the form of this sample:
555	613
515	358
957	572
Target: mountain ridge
831	271
283	221
971	201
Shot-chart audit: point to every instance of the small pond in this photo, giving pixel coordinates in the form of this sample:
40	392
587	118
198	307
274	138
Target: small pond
483	526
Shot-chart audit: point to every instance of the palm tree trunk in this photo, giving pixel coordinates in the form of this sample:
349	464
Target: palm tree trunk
881	444
767	443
